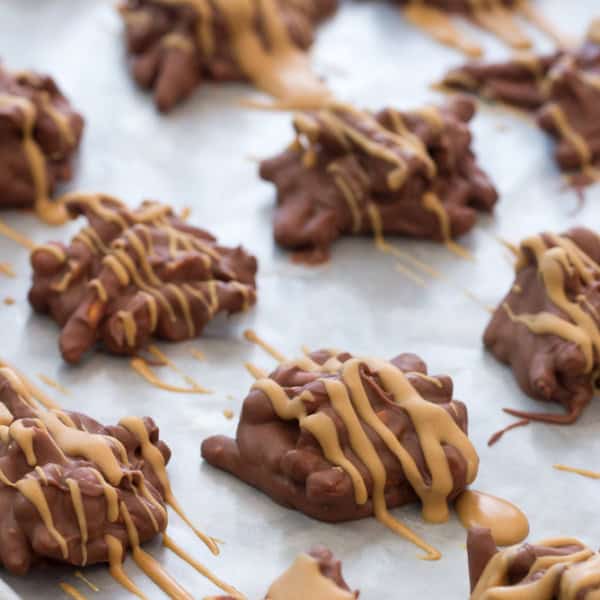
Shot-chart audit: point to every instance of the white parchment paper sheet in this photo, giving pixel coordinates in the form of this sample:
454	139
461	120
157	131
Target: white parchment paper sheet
202	156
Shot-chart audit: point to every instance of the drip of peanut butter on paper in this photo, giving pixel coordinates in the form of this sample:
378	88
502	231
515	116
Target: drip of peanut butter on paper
103	452
277	67
492	15
53	213
71	591
583	472
568	574
304	580
434	426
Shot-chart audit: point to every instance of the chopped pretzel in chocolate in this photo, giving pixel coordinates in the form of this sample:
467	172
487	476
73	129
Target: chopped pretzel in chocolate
135	274
564	89
316	575
176	44
561	568
342	438
39	135
548	326
402	173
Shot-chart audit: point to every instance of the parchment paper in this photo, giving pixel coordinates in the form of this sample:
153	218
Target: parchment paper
204	156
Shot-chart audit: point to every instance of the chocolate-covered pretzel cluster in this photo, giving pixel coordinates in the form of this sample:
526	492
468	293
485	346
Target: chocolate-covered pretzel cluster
39	134
402	173
69	486
130	275
548	326
176	44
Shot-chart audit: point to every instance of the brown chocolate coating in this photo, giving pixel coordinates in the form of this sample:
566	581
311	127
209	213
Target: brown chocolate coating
24	537
563	88
547	367
287	462
329	566
48	105
165	50
313	210
145	266
481	549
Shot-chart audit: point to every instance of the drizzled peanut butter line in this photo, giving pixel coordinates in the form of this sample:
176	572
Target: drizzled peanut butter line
564	576
554	265
433	425
17	237
275	65
583	472
110	457
304	580
53	213
71	591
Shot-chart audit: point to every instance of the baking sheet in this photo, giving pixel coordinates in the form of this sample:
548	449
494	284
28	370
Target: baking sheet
203	156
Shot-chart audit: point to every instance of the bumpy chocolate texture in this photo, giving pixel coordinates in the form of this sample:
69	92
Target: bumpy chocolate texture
176	44
311	574
66	482
556	569
342	438
39	134
564	89
401	173
133	274
547	327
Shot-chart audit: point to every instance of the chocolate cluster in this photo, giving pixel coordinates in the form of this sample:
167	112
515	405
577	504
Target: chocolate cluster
67	482
175	45
39	135
339	438
401	173
547	327
553	569
564	90
131	275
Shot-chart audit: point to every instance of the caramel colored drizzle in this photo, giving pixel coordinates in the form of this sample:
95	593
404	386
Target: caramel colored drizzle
198	354
6	269
141	367
87	582
79	509
570	575
72	592
53	384
278	67
304	580
115	558
51	213
26	386
253	338
576	471
507	523
349	400
255	371
15	236
228	414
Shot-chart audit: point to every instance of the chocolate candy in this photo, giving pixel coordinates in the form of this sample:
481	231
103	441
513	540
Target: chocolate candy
39	135
547	327
135	274
402	173
342	438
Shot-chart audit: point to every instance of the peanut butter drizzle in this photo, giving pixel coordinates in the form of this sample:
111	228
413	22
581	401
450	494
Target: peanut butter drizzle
53	384
255	371
440	26
499	20
6	417
6	269
115	558
87	582
72	592
553	266
228	414
507	523
152	455
433	204
19	381
253	338
164	359
278	67
304	580
53	213
141	367
576	471
198	354
79	509
183	555
15	236
563	576
434	427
